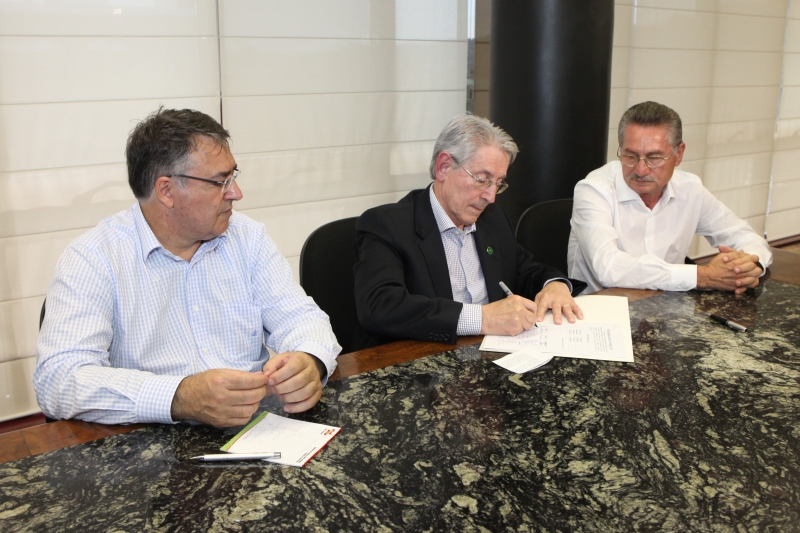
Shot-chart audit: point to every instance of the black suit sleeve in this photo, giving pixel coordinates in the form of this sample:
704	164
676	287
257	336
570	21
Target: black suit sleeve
394	295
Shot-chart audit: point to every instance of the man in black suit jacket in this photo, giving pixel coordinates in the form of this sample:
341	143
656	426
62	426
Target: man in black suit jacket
413	255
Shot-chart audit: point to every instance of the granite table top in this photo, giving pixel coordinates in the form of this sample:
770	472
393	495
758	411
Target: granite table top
701	433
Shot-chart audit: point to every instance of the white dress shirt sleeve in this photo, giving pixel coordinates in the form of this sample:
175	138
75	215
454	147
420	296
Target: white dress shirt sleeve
721	227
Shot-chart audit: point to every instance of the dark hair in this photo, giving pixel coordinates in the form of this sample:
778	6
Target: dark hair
653	114
163	143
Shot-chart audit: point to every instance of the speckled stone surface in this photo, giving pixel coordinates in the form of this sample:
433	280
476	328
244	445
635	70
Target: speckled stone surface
701	433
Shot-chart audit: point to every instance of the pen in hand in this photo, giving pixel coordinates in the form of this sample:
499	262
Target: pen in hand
509	293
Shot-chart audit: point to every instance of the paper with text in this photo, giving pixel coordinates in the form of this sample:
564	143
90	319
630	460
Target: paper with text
297	441
604	333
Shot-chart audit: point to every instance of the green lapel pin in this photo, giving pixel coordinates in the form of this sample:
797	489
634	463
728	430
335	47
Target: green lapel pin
489	250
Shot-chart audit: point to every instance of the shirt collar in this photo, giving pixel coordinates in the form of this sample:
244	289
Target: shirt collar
150	243
442	220
626	194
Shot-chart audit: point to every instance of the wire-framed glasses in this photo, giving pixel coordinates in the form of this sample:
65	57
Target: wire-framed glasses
652	161
483	183
226	185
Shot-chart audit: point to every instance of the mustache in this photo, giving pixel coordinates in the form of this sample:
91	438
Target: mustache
637	177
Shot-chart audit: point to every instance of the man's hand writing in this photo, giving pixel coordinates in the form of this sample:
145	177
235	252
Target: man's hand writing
556	296
509	316
295	378
219	397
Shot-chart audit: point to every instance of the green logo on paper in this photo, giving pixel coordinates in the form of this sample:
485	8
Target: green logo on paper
489	250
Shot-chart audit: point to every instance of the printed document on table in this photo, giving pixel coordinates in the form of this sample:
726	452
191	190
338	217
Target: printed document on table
297	441
603	334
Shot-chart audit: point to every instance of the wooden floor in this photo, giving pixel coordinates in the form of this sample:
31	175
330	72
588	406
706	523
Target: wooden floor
35	420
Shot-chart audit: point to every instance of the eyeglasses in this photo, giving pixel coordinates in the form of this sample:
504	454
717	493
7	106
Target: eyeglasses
226	185
652	161
484	183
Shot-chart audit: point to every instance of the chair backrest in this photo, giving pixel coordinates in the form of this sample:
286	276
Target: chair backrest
326	273
543	230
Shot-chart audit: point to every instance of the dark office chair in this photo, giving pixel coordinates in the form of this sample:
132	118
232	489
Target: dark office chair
543	230
326	274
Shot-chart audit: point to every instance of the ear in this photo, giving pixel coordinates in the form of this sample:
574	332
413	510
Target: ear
163	191
444	162
679	154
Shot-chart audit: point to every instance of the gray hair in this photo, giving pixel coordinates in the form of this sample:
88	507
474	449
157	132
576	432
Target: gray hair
652	114
465	134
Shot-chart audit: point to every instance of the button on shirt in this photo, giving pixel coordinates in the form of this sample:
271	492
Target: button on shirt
127	320
616	241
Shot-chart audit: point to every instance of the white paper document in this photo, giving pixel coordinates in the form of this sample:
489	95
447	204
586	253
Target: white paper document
297	441
523	361
604	333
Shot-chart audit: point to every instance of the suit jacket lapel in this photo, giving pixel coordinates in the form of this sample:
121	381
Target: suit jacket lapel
431	245
490	262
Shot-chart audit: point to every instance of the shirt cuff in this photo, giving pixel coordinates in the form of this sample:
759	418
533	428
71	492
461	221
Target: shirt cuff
470	320
683	277
154	403
563	280
320	352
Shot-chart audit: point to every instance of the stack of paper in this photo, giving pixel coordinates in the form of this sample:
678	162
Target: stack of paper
604	334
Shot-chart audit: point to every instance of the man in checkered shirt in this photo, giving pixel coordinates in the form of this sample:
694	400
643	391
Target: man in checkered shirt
164	312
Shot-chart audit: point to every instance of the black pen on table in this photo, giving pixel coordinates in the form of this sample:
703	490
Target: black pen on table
237	456
730	323
509	293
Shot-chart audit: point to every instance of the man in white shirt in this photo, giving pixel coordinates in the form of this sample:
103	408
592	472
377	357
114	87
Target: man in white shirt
633	220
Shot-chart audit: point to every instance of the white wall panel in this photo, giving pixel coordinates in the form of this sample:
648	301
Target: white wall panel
735	172
774	8
731	104
79	69
272	123
672	28
301	176
38	136
737	32
657	68
786	165
733	138
17	397
427	20
108	17
39	201
28	262
746	202
290	225
19	328
746	68
784	224
785	196
344	19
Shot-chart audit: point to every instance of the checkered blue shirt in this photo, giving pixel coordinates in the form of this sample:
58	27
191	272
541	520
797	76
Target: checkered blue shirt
127	320
466	275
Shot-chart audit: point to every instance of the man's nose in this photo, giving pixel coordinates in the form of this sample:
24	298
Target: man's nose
641	167
234	193
490	193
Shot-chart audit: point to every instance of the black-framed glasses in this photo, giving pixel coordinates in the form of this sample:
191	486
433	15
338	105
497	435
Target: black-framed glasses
483	183
226	185
652	161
